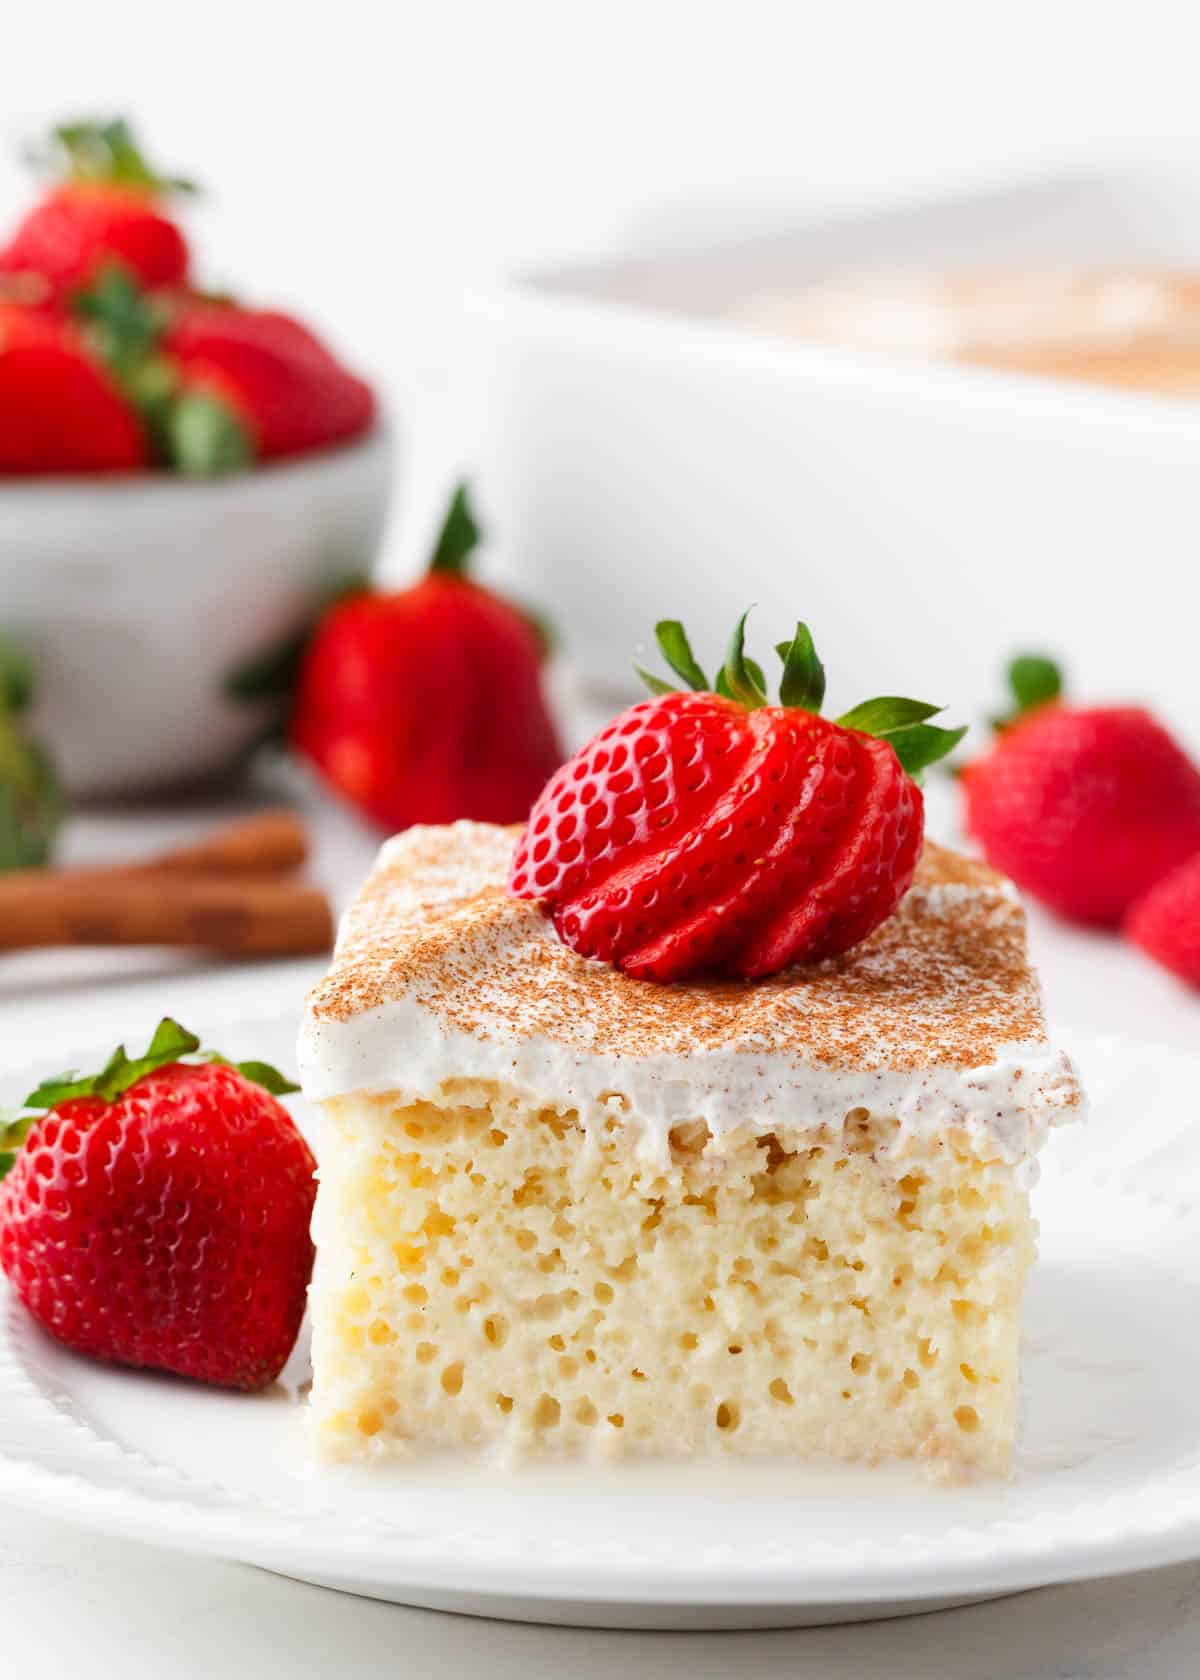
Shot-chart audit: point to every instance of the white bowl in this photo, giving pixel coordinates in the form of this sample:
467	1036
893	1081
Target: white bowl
647	454
138	599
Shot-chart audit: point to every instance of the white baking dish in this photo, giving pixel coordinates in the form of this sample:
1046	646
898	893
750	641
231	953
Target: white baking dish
645	455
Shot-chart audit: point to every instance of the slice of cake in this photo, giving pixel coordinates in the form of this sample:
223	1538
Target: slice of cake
564	1208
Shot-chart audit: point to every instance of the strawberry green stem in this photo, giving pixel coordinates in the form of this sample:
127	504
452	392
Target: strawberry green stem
458	538
12	1136
901	722
803	681
743	679
203	437
31	800
1033	680
16	677
106	153
122	322
677	651
170	1043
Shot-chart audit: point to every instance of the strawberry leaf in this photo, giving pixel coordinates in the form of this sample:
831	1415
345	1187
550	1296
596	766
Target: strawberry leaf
124	325
721	686
31	800
12	1135
921	744
891	717
743	680
1033	681
60	1088
656	685
258	1073
675	648
106	152
886	713
458	538
16	677
170	1043
802	684
122	322
270	1078
204	438
677	651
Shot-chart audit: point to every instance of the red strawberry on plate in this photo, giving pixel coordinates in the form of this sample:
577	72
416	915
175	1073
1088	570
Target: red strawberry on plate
107	209
1165	922
426	705
157	1214
60	410
257	384
710	832
1086	807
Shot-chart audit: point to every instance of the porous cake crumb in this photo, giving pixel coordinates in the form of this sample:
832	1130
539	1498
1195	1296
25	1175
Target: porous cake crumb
532	1247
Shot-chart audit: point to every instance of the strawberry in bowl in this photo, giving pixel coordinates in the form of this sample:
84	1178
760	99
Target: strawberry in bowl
258	383
156	1214
107	206
182	477
61	410
711	831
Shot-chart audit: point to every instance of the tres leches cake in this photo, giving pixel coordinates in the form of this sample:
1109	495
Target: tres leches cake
566	1208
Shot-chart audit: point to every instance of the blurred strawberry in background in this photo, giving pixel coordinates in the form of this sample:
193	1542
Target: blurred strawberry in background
61	410
112	360
426	705
1085	807
105	206
1165	922
270	376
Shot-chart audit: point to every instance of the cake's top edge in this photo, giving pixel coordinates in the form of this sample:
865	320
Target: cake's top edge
945	984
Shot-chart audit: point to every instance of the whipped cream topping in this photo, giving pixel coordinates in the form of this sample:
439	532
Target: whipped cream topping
439	976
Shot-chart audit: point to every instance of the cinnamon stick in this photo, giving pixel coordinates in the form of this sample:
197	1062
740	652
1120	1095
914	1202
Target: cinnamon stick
269	843
235	916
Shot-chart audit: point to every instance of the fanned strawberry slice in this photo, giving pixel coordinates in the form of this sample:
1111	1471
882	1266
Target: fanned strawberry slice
780	822
711	832
861	884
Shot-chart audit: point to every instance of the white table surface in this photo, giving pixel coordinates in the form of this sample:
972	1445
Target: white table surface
76	1603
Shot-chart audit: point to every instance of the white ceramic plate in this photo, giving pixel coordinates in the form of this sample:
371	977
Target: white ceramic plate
1108	1475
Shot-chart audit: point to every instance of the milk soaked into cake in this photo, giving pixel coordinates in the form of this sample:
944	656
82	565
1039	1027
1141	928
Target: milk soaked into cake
565	1211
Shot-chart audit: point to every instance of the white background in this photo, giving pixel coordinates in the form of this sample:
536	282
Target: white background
368	159
369	162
